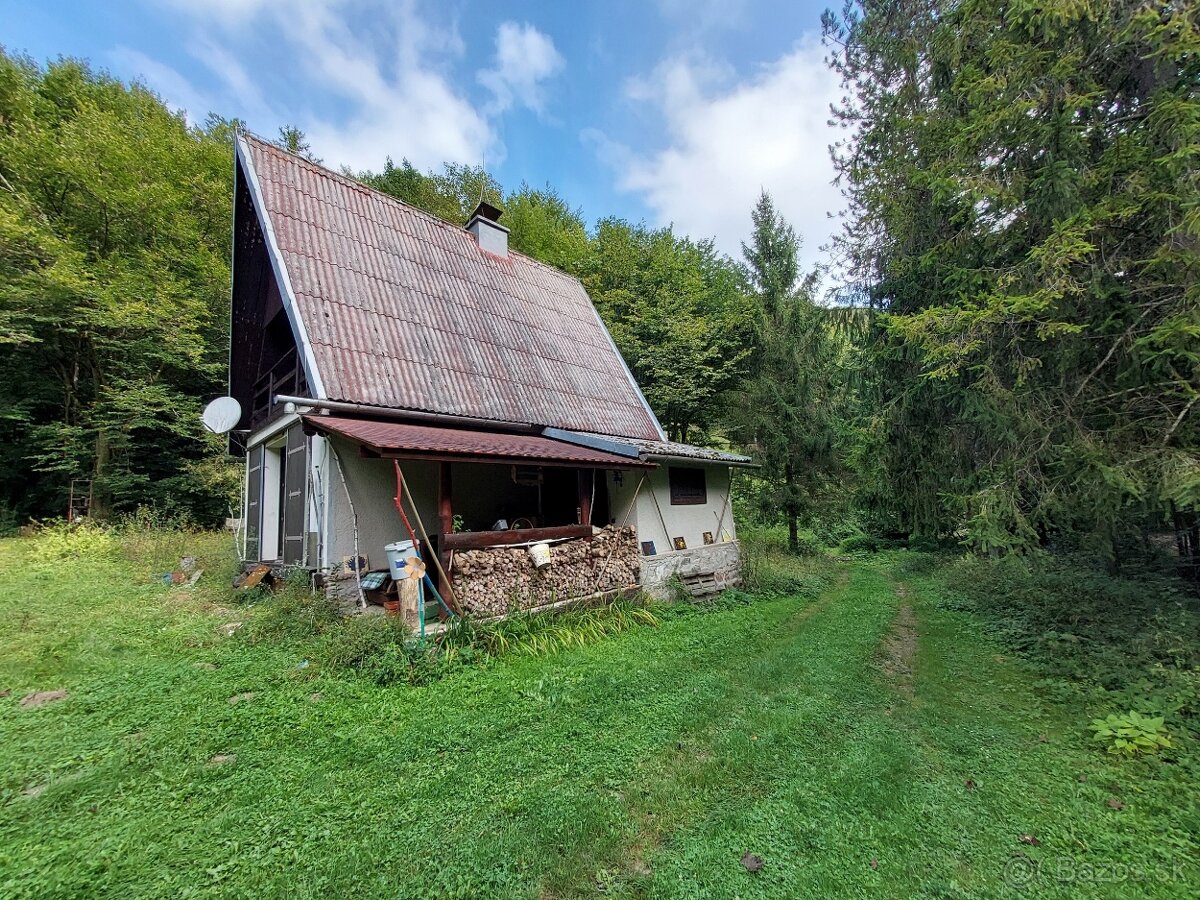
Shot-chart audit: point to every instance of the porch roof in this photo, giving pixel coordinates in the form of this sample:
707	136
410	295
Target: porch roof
405	439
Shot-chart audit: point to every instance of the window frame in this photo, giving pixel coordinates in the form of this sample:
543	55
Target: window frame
683	494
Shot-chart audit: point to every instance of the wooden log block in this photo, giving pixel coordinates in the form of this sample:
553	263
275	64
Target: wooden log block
410	602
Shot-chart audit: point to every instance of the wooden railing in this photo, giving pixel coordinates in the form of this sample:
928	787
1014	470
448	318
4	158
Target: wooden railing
285	377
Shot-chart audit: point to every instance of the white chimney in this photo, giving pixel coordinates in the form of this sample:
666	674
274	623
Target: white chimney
487	230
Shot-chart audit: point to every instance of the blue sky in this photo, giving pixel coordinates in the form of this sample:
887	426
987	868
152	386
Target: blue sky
668	111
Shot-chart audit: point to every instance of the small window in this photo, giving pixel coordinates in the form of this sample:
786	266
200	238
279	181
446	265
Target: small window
687	487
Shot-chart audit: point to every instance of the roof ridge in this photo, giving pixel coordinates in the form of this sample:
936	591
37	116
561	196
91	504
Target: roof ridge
355	183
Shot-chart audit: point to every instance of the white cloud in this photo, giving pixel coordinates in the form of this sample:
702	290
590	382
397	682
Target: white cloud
230	13
727	140
386	67
399	105
237	81
525	57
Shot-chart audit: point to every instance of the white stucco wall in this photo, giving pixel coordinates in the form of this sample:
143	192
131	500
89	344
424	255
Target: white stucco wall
640	499
621	507
372	484
659	521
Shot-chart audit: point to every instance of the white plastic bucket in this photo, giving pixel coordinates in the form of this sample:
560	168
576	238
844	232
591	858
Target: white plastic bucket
396	554
539	555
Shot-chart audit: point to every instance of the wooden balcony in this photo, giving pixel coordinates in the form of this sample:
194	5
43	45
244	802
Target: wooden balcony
285	377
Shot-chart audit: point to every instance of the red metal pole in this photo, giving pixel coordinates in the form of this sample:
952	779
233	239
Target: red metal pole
400	504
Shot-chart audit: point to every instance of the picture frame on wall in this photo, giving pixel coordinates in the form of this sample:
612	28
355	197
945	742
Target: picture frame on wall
680	543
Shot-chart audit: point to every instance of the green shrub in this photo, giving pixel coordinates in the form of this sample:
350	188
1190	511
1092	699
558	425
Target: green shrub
383	649
763	540
291	611
860	543
772	540
920	563
925	544
677	589
731	598
808	544
1131	734
357	640
832	530
86	539
10	521
776	573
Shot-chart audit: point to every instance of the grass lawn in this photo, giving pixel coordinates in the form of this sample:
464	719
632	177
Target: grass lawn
865	742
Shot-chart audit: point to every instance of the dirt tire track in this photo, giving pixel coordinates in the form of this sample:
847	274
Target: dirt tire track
900	647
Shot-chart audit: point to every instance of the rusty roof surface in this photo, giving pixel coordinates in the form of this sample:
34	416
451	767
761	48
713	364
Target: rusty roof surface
675	450
403	310
430	440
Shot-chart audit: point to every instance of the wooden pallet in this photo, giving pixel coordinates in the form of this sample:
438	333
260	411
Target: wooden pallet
702	584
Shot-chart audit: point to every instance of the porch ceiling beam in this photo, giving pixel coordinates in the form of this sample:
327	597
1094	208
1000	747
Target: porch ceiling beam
497	460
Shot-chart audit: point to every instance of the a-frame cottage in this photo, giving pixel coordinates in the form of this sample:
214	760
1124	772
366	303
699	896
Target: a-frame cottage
367	333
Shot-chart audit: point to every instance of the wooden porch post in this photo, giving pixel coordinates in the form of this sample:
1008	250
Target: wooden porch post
445	521
587	478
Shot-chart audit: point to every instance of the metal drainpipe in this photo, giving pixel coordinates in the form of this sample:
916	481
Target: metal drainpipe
417	415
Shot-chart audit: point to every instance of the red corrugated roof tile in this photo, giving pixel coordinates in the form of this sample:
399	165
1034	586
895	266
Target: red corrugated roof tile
404	438
405	311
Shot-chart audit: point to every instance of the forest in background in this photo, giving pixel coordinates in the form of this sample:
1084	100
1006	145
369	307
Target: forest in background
1018	369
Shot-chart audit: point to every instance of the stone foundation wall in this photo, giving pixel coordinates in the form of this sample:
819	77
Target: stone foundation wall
500	580
704	570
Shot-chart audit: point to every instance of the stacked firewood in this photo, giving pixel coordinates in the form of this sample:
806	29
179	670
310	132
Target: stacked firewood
503	579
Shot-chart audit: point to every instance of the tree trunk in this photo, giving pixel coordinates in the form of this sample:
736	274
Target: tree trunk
101	504
789	506
1187	541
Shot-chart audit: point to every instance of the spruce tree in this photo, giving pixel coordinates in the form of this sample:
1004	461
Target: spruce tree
782	411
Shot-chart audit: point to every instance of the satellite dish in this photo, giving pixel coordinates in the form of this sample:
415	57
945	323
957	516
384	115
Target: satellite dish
222	415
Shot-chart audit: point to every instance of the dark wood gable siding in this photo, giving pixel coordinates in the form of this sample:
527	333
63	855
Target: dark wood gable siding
295	487
263	359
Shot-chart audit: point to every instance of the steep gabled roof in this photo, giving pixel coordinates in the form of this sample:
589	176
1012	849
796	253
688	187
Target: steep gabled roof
393	307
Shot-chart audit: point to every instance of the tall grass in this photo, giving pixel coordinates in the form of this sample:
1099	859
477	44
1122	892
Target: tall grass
385	650
540	634
153	541
769	570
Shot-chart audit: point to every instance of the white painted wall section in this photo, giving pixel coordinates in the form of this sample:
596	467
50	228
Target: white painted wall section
372	484
659	521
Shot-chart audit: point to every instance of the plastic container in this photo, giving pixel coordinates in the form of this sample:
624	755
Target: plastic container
397	553
539	555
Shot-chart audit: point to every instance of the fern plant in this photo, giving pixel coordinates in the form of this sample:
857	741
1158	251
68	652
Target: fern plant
1131	733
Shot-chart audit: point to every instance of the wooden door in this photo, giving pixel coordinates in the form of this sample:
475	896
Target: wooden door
295	484
254	489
